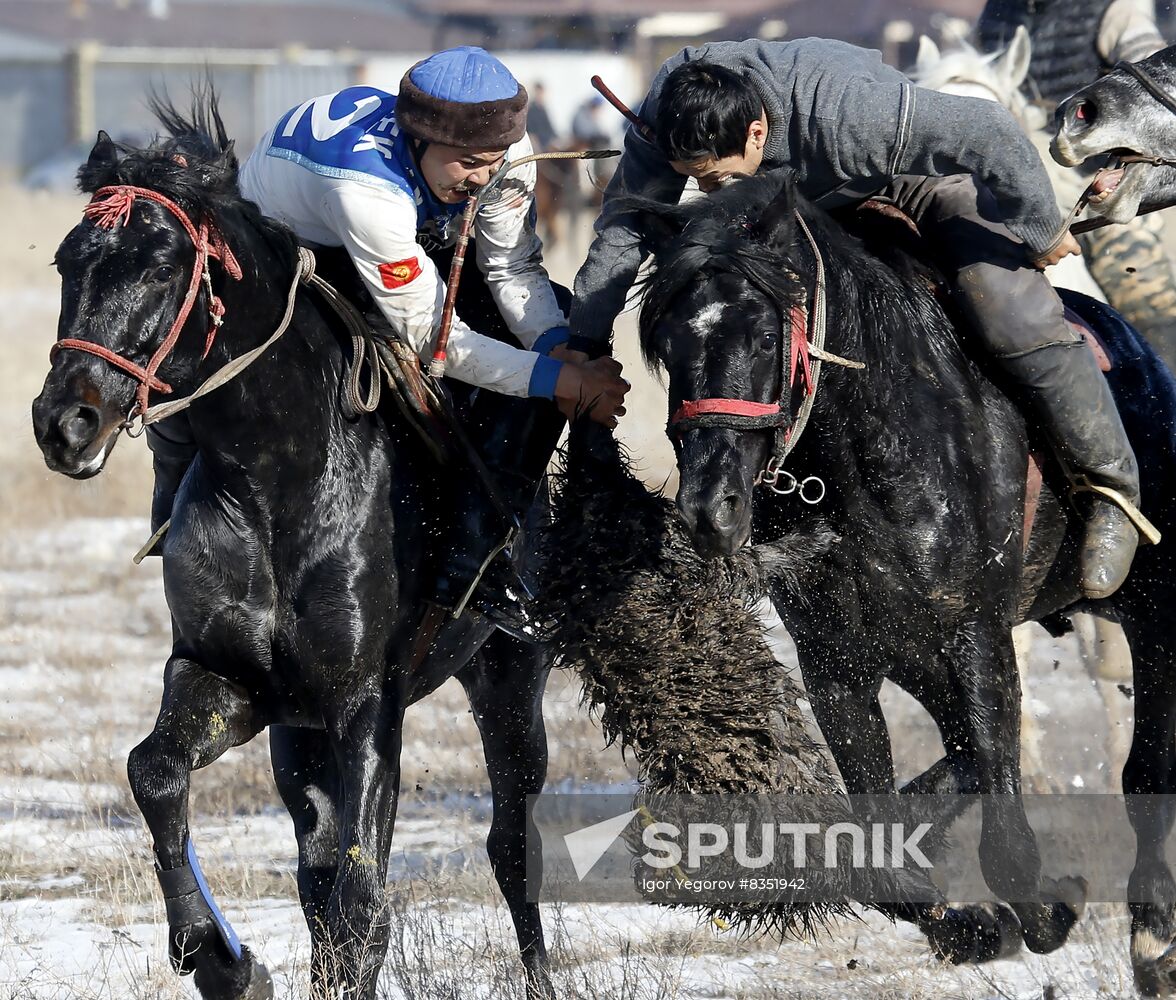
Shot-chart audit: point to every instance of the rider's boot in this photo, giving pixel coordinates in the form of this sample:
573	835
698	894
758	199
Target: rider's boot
1073	401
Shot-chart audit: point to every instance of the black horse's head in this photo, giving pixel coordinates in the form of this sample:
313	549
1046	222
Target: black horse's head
124	280
715	318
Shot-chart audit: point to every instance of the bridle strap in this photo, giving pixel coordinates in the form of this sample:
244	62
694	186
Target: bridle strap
1149	84
137	372
797	368
111	207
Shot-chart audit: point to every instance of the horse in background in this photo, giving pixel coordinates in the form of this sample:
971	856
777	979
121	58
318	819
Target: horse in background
566	189
999	76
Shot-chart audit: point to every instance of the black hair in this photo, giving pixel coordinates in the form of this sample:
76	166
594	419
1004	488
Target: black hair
704	111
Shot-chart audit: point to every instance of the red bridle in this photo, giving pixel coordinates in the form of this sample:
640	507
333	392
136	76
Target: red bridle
111	207
742	414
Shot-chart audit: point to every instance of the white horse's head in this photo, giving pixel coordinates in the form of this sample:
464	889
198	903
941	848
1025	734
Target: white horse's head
966	72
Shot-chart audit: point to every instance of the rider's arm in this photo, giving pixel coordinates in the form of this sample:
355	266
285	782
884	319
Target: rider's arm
616	254
940	134
378	228
510	255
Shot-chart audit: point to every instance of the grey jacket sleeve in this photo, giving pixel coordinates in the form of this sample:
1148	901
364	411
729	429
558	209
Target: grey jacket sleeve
941	134
616	254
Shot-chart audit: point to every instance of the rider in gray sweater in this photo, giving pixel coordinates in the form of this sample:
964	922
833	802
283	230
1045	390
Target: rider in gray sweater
852	127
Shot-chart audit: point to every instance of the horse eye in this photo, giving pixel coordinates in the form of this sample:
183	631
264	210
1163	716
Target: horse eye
768	340
165	272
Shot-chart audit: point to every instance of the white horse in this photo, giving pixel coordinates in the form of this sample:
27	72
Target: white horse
964	71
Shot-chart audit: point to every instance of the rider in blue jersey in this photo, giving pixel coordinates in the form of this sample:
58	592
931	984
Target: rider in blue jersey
386	177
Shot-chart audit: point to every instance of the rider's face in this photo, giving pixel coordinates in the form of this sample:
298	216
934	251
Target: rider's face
712	173
453	174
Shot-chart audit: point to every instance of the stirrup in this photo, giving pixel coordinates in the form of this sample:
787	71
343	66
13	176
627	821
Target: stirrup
1148	532
516	622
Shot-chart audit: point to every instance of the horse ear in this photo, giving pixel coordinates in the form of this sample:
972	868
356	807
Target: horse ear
778	219
100	165
104	153
1014	64
927	57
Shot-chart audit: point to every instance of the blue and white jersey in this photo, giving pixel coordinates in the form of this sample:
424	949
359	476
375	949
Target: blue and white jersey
353	135
339	172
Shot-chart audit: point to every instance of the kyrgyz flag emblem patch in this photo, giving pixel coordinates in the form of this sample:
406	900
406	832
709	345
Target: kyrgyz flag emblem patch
399	272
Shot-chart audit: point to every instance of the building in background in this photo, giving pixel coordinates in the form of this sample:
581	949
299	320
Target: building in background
70	67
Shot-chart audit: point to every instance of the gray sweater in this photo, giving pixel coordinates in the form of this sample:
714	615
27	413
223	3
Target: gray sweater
842	119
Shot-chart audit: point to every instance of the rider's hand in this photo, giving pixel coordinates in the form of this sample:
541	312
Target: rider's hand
1068	246
595	387
562	353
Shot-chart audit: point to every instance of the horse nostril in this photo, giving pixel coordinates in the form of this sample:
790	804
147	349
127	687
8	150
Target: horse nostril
79	425
728	511
1085	113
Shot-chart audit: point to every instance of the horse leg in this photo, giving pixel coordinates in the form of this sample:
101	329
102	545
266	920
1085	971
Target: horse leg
201	717
1032	758
973	932
986	669
505	687
1148	783
366	740
847	710
854	727
307	777
1107	659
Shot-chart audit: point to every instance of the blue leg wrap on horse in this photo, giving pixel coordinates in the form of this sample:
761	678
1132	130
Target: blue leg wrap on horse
188	900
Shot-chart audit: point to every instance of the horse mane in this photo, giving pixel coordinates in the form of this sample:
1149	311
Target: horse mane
194	164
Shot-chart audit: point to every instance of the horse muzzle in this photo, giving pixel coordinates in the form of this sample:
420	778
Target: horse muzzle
76	432
718	521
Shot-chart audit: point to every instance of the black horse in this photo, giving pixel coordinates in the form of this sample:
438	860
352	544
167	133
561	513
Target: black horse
920	467
294	566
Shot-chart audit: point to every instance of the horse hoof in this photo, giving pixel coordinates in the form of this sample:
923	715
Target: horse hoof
243	978
1064	901
539	985
983	932
260	986
1153	962
1072	891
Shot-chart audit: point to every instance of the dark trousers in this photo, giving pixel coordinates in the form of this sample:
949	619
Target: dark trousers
1010	304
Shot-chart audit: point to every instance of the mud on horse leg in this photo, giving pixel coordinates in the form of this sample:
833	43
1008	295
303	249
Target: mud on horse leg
1047	908
366	735
201	717
1148	783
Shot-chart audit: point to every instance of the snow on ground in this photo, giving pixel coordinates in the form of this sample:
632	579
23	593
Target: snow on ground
82	639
